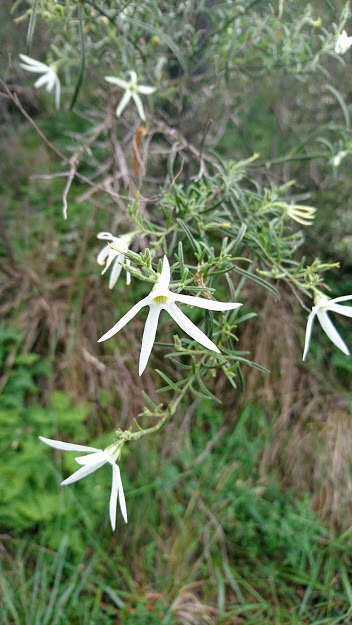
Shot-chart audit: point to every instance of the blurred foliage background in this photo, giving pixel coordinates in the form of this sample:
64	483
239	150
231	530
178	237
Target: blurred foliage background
240	511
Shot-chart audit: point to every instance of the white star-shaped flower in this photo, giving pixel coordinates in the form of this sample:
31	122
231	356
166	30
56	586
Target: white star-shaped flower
160	298
343	43
49	77
322	306
108	255
91	462
132	89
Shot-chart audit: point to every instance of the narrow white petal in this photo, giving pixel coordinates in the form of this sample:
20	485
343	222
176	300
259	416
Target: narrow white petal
101	258
342	310
149	336
41	81
33	66
133	76
31	61
128	275
189	327
51	80
125	319
123	103
122	497
113	496
165	276
28	59
34	70
343	298
107	236
308	333
57	93
115	272
202	302
139	105
144	89
87	469
117	81
66	446
92	458
111	256
331	331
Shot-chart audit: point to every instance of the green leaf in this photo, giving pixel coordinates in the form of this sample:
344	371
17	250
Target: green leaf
32	23
83	59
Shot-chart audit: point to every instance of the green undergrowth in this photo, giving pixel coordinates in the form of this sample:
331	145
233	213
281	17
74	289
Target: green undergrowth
209	536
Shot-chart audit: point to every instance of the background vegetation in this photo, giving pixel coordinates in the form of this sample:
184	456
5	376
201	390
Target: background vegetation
240	511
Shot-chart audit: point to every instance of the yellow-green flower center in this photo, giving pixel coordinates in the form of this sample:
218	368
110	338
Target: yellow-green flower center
160	299
132	88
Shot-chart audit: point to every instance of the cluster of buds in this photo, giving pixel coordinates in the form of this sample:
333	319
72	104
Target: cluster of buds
304	215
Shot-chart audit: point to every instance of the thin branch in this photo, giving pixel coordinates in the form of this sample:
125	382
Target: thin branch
97	186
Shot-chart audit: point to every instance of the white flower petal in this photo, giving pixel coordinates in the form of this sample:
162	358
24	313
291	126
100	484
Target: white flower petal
110	257
139	105
149	332
34	70
164	279
41	81
308	333
122	497
128	275
133	77
343	43
343	298
115	272
83	472
92	458
113	496
123	103
189	327
66	446
51	79
31	61
202	302
146	90
101	258
117	81
125	319
57	93
106	236
331	331
342	310
31	65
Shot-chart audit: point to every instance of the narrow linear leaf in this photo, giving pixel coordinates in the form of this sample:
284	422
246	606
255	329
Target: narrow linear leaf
32	23
206	391
342	103
83	60
165	38
193	242
169	382
258	280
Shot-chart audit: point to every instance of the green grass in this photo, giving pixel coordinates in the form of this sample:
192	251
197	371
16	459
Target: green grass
208	538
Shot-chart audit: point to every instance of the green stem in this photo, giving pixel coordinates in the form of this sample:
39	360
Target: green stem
134	436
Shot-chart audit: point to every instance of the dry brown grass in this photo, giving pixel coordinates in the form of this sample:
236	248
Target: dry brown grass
311	445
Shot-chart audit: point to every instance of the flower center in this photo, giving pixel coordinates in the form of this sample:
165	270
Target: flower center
132	88
160	299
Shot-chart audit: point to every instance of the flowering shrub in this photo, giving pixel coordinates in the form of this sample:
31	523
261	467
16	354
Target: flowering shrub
175	190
